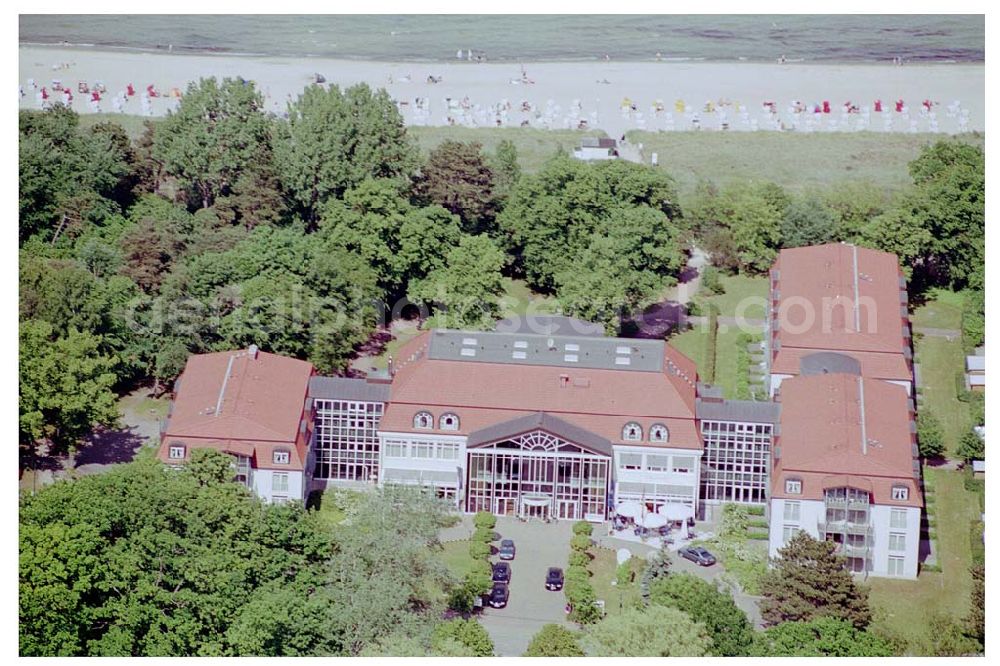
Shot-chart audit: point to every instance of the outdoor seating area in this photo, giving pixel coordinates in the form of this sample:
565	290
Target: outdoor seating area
669	525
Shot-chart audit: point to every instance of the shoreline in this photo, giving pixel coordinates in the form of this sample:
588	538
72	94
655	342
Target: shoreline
181	50
609	95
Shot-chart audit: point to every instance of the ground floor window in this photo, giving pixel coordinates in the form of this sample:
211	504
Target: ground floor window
897	566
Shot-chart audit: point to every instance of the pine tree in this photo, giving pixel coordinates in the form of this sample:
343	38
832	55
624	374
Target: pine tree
809	581
658	567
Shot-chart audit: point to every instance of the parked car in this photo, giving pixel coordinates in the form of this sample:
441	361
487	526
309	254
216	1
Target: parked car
499	595
507	550
501	572
698	555
554	579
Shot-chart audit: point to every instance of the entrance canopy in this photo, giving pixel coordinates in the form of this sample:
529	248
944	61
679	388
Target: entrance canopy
536	500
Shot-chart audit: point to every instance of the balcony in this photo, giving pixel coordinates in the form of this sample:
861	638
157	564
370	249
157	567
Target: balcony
845	527
844	503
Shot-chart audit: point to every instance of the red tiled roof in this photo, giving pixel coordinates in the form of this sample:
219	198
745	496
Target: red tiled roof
877	365
822	278
821	440
484	394
261	408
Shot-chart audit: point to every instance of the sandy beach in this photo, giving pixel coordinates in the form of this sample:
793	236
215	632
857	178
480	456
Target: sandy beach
612	96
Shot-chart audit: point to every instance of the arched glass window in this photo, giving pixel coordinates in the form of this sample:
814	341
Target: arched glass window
632	432
423	420
658	433
449	421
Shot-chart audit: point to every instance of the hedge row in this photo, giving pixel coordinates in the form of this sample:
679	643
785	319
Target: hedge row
577	588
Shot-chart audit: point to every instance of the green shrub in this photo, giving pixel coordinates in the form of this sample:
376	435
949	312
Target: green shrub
935	568
484	534
711	280
479	550
976	541
577	558
711	342
758	534
583	527
580	542
478	583
695	308
755	510
758	523
484	519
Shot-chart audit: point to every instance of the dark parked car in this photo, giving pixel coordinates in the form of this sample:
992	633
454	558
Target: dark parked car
698	555
507	549
501	572
499	595
554	579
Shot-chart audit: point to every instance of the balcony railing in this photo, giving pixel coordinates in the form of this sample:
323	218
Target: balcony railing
844	503
845	527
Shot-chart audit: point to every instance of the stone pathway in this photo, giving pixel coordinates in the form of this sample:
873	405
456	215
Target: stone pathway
950	333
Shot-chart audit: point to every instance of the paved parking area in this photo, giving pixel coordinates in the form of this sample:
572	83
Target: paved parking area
539	546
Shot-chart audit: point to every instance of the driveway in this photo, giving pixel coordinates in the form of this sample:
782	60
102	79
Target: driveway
539	546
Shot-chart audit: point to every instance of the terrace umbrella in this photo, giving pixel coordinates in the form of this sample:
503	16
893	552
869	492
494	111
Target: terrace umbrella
629	509
654	521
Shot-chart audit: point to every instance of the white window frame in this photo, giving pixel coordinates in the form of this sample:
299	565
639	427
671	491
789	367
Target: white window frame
448	415
174	449
281	457
678	467
897	542
900	493
659	427
447	451
622	457
787	532
793	486
395	450
793	511
897	519
625	432
417	418
275	476
896	566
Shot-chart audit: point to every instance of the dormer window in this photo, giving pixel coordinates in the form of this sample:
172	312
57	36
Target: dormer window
900	493
632	432
177	451
793	486
423	420
449	421
658	433
281	456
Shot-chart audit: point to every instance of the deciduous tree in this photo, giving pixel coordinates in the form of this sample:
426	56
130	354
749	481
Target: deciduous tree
727	625
554	640
655	631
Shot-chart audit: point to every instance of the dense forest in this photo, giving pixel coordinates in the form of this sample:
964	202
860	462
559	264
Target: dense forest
223	226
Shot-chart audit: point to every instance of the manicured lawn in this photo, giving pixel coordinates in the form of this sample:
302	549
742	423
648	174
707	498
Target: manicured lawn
534	146
940	363
604	569
796	161
693	343
943	309
455	556
746	295
904	607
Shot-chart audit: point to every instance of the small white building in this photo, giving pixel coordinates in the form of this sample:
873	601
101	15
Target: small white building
593	148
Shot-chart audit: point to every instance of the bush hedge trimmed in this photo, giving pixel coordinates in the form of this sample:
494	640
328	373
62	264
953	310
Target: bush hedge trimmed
579	559
484	519
479	550
583	527
580	542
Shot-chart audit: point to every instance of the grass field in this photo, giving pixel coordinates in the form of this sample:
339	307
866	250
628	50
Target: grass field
794	161
329	514
940	362
744	295
693	343
534	146
903	608
943	309
455	556
604	569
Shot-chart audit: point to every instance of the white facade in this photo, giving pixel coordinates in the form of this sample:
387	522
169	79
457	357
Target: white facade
435	460
278	485
895	533
657	474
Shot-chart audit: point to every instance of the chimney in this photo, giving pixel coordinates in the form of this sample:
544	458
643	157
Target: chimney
252	351
392	370
563	381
